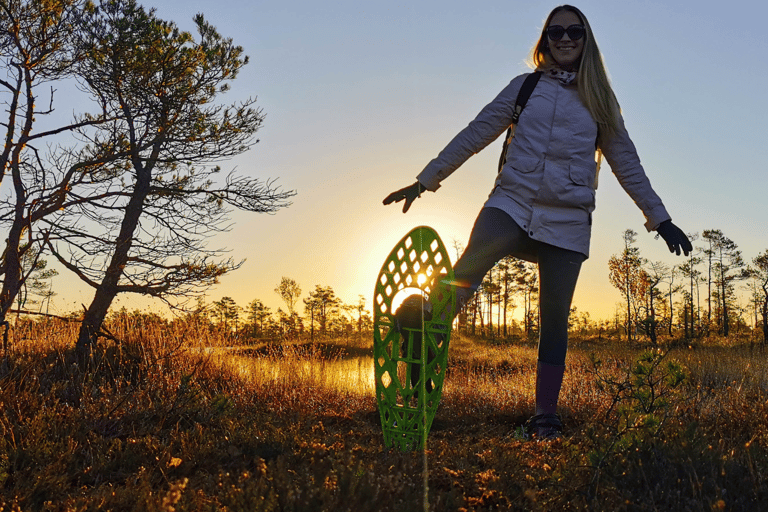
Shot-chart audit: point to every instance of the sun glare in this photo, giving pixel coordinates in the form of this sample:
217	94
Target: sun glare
401	295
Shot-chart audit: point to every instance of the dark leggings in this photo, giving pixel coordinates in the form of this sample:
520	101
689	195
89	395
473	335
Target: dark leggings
494	236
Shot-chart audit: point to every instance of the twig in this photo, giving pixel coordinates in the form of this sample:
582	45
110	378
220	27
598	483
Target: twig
48	315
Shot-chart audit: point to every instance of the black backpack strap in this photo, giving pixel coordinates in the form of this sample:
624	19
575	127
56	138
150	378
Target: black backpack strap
522	99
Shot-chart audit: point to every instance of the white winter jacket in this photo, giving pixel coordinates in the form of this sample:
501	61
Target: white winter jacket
548	182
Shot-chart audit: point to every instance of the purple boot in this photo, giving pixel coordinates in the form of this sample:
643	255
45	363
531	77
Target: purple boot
546	424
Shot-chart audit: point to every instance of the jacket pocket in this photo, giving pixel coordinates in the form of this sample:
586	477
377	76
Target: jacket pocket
581	191
583	176
523	163
519	177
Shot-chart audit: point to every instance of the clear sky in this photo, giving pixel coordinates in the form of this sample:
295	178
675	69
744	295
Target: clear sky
360	95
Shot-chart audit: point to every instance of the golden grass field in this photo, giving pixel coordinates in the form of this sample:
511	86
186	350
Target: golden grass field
181	418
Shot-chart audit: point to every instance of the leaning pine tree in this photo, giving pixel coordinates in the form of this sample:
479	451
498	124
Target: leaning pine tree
141	223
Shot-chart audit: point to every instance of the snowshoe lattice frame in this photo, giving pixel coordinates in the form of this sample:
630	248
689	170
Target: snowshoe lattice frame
419	263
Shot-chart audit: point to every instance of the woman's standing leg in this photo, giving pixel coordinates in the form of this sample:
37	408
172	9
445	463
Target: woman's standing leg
558	274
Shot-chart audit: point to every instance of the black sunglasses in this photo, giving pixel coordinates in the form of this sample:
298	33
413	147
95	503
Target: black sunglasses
575	32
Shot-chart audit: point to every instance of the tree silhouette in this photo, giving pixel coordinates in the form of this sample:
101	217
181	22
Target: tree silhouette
491	289
525	282
711	236
321	304
727	265
34	278
760	274
653	274
37	49
689	271
258	314
227	312
672	289
363	316
290	291
143	221
506	268
626	274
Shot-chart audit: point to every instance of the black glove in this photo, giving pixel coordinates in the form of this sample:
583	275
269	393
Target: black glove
409	193
674	237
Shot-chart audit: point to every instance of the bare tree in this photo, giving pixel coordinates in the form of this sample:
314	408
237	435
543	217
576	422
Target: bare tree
142	223
290	291
689	270
728	267
672	289
37	51
626	274
654	273
711	236
363	316
760	273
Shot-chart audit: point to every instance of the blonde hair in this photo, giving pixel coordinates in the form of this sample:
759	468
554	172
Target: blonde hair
594	87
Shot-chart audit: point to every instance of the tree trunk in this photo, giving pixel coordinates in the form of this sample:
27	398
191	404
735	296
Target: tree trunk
671	311
490	315
474	316
653	320
697	322
480	315
628	295
108	288
12	278
693	323
629	316
506	305
12	274
709	292
312	324
726	329
693	318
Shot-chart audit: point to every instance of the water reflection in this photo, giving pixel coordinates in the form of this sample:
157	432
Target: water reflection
353	375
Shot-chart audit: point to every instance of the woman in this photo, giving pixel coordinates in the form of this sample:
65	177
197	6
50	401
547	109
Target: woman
540	208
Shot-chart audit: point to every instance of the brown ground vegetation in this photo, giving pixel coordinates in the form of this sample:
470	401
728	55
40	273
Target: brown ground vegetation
161	421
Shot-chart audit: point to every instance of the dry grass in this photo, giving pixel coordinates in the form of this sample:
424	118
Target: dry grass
165	422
